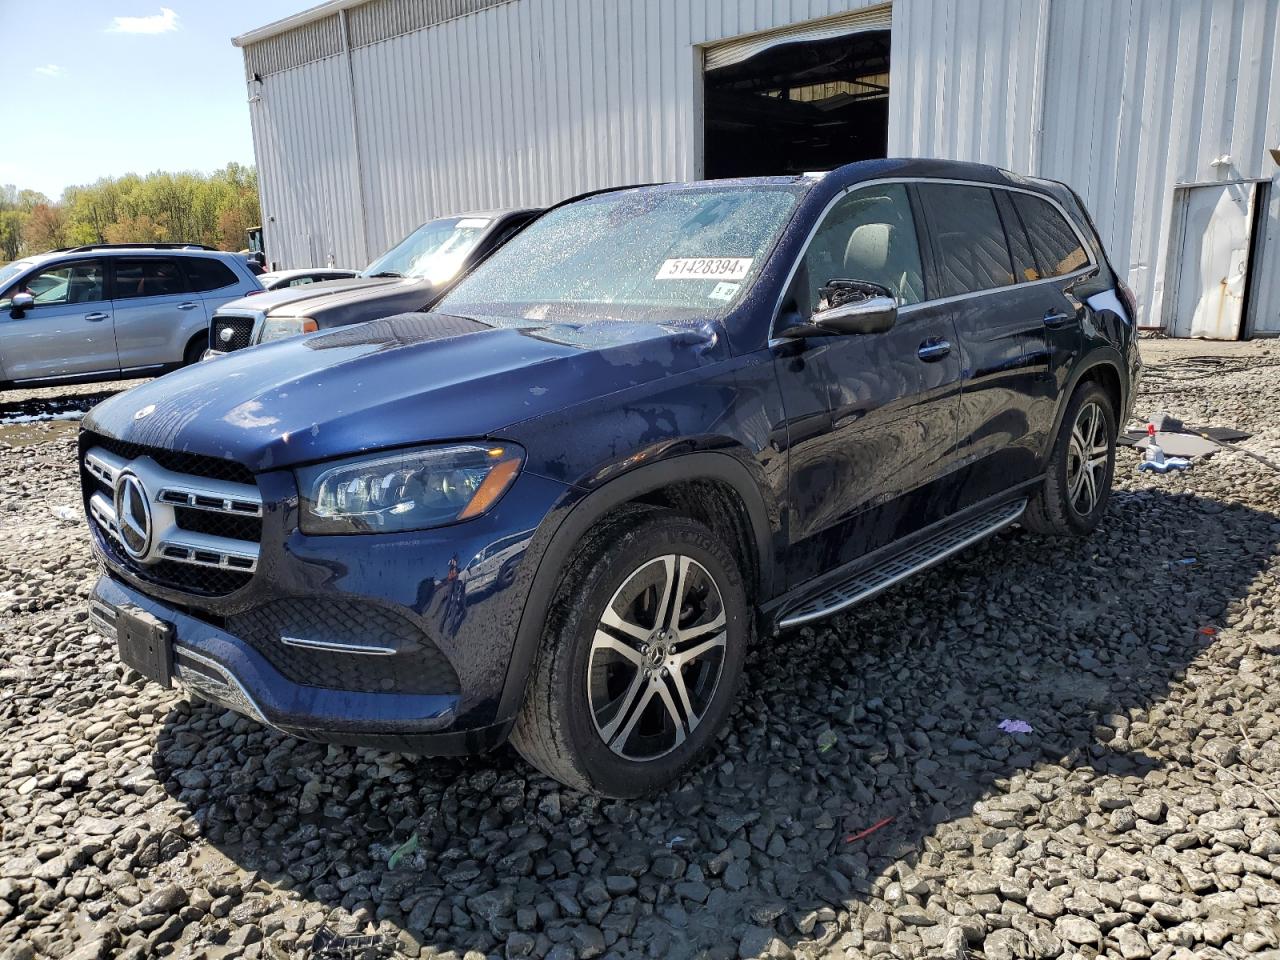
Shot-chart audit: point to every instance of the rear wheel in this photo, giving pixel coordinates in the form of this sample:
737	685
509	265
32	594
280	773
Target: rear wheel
640	658
1077	483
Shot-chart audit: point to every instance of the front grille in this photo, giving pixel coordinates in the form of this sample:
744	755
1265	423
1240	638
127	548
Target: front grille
196	464
407	660
219	524
204	520
241	330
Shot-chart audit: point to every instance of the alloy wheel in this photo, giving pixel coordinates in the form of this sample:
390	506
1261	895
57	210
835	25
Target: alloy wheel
1087	458
656	657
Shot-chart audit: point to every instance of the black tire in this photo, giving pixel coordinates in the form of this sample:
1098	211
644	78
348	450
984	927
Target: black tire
1054	509
195	349
559	732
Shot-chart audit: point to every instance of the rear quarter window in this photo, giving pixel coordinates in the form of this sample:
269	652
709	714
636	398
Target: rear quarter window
1056	245
205	273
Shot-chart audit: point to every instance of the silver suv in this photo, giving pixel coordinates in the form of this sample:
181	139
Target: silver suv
109	311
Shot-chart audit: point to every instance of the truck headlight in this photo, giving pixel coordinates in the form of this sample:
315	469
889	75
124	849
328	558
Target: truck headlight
407	490
278	328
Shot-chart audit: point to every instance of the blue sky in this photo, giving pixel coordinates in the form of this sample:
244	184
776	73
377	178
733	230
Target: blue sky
97	88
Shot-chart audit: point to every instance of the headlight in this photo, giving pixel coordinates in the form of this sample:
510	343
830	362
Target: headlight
277	328
410	490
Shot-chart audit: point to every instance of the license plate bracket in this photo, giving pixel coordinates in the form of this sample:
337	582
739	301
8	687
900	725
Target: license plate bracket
145	643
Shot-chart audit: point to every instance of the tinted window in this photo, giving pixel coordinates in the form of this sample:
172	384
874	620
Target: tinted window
1056	245
1024	261
205	273
968	240
78	282
151	277
301	281
868	235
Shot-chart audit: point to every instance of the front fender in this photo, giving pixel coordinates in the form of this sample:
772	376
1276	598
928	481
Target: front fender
619	483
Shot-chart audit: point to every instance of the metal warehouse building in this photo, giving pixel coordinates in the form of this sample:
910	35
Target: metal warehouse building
371	116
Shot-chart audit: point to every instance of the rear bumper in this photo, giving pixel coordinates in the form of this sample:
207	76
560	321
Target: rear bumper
222	668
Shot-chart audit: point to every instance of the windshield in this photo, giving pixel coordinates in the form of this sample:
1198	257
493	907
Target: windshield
433	252
649	254
9	271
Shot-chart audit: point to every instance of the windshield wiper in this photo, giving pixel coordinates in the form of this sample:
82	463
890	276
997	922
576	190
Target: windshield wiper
386	273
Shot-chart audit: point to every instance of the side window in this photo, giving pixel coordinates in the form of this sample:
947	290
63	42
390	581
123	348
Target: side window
1024	261
869	234
1056	245
149	277
78	282
206	273
968	239
301	281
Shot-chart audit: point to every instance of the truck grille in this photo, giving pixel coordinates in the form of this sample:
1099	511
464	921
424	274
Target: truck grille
241	330
190	522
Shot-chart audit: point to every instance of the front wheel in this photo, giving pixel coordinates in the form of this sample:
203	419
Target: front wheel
1077	482
640	657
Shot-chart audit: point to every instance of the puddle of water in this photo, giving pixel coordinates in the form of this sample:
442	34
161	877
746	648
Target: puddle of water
13	435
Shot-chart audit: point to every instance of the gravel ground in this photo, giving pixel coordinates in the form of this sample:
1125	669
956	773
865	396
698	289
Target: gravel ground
1139	818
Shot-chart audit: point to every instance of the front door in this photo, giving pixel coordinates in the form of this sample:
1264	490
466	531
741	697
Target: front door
156	315
872	417
68	333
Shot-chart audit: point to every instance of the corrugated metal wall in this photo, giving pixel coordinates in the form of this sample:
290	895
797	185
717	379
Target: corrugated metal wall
522	103
529	101
1123	99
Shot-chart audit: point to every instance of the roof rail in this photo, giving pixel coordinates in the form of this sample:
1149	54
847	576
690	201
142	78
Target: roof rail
138	246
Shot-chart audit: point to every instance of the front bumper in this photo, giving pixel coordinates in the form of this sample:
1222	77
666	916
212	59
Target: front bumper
224	669
395	641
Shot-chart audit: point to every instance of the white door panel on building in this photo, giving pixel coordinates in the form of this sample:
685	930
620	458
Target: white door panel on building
1217	221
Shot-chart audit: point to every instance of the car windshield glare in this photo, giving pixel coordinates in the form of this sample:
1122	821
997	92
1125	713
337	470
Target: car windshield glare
649	254
12	270
434	251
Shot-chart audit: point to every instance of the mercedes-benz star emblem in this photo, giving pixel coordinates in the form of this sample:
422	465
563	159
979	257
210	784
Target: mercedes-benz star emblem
133	514
225	334
146	411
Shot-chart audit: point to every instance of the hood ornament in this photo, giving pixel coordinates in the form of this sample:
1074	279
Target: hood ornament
146	411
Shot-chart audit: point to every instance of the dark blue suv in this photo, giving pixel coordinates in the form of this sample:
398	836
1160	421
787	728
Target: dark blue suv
655	426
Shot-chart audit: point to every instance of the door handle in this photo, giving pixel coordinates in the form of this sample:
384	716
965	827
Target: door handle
188	305
933	349
1055	319
95	317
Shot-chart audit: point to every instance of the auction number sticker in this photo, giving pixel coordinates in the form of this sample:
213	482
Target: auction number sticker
724	291
705	268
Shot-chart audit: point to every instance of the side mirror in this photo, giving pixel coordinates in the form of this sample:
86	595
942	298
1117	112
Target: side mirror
20	304
855	306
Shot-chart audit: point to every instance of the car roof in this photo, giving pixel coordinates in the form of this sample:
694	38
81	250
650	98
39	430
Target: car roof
76	253
924	168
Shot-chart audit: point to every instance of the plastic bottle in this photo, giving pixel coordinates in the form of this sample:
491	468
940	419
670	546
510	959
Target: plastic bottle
1154	453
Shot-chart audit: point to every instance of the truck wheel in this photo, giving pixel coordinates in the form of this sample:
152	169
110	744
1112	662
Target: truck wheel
640	657
1077	482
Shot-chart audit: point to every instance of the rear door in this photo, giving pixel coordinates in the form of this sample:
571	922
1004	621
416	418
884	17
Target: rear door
872	417
993	317
1059	263
68	333
156	314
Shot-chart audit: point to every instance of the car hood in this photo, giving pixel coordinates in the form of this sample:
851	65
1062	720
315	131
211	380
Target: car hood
402	380
283	302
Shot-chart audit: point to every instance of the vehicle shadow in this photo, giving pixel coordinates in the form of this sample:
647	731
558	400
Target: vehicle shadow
892	711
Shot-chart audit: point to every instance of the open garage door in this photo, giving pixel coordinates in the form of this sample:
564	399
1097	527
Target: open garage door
808	98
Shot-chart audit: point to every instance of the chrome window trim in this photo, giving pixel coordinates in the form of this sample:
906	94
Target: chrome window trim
804	250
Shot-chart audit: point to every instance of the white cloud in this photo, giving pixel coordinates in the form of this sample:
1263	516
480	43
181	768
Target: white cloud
49	70
163	22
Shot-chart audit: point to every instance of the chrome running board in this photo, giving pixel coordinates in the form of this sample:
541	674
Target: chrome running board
899	566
